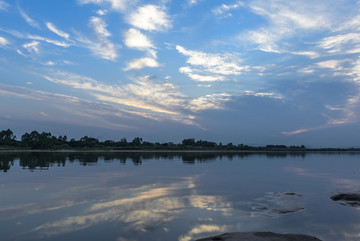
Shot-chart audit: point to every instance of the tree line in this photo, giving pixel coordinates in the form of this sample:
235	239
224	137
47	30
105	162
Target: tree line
45	140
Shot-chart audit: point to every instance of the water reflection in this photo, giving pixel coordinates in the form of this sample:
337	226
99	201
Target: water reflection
45	160
159	196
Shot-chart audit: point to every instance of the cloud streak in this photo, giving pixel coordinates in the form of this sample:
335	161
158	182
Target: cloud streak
55	30
29	20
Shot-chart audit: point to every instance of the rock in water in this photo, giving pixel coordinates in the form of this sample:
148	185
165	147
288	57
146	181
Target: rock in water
260	236
348	199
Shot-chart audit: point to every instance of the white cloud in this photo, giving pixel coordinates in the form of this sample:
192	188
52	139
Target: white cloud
44	114
135	39
150	18
224	8
21	53
102	47
3	42
217	101
225	64
50	41
101	12
201	78
117	5
49	63
332	64
143	94
54	29
213	101
29	20
142	63
265	38
99	27
290	14
286	19
91	112
3	6
261	94
32	46
310	54
193	2
337	43
352	24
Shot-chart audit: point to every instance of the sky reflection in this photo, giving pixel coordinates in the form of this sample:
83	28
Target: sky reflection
167	199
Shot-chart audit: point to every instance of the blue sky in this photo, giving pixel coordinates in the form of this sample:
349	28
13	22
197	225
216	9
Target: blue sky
254	72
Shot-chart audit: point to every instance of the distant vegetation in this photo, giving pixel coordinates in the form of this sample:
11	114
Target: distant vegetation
46	141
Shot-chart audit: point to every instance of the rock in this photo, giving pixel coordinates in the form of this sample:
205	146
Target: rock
348	199
277	203
260	236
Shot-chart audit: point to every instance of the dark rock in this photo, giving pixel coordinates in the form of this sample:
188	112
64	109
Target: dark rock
348	199
278	203
260	236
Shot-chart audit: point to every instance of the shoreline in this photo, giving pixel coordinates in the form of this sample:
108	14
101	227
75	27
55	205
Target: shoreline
181	151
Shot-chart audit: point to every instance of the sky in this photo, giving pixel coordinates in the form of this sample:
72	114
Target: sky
250	72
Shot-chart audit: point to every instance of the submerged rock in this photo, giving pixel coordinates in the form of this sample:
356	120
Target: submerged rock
260	236
348	199
277	203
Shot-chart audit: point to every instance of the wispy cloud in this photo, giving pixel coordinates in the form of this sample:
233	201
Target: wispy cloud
193	74
3	42
340	43
266	39
225	8
209	102
193	2
206	63
346	113
29	20
142	63
285	19
218	101
49	63
32	47
150	18
3	5
310	54
143	94
55	30
50	41
95	113
291	133
116	5
102	46
99	27
336	65
287	14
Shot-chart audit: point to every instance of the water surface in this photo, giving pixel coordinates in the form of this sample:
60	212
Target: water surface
174	196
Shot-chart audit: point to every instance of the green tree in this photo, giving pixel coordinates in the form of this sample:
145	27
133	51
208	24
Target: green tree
188	142
7	137
137	141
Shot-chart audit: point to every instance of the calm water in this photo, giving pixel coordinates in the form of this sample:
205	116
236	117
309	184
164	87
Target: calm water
168	196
